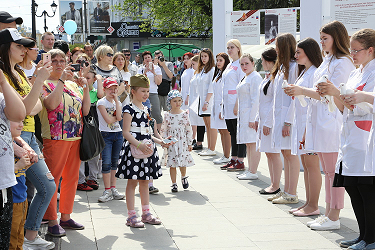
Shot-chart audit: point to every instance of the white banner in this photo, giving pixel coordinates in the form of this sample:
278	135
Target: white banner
354	14
279	21
245	26
71	10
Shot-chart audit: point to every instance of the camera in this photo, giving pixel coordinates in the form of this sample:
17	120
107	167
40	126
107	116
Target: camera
161	58
83	62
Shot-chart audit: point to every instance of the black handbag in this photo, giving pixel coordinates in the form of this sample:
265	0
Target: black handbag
92	142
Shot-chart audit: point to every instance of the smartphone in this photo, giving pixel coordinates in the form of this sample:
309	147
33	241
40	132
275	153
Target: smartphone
46	57
150	65
166	141
77	67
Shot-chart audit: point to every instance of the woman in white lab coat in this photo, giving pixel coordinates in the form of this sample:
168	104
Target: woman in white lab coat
185	80
323	127
354	167
285	69
264	118
309	58
248	102
222	61
196	122
206	69
231	78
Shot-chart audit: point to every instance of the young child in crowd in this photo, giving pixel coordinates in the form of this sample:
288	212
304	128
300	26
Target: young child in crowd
248	103
136	131
176	125
94	164
109	115
19	194
11	109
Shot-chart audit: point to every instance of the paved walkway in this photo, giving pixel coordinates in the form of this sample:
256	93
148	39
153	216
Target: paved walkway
217	212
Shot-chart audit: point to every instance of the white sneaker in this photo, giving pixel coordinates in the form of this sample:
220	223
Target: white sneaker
208	152
203	151
37	243
116	195
221	160
325	224
242	173
247	176
107	196
309	223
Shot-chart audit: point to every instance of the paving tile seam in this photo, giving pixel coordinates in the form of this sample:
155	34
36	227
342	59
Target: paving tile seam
92	221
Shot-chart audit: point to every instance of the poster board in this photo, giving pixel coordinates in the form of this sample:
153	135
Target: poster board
99	18
279	21
245	26
71	10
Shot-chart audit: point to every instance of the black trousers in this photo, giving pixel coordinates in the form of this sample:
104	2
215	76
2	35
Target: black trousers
200	133
238	150
363	202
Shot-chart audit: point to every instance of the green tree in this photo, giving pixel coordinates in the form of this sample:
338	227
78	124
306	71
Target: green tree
183	17
175	17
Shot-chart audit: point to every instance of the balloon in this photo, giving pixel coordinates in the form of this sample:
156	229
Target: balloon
70	27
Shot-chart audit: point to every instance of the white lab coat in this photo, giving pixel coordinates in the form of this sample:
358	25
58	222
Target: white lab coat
306	80
355	131
248	102
232	76
185	82
323	127
216	123
205	87
264	117
282	108
193	95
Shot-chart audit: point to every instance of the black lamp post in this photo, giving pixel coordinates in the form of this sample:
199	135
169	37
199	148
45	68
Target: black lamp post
34	8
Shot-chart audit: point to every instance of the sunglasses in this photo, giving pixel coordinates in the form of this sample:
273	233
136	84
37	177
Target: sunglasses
127	54
83	62
109	54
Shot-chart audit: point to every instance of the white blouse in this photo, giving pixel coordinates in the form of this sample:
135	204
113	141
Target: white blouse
205	87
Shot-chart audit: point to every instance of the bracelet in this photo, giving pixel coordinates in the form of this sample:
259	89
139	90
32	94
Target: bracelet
287	124
61	81
206	103
139	144
34	75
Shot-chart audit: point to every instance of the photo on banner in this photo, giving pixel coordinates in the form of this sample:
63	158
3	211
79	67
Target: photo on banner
245	26
99	17
279	21
71	10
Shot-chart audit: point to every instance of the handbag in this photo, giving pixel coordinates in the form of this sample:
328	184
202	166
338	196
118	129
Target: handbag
137	153
92	142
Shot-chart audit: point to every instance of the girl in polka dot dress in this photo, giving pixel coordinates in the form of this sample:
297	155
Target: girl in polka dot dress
135	130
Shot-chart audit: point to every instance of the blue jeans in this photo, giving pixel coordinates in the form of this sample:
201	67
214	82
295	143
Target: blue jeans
113	143
41	178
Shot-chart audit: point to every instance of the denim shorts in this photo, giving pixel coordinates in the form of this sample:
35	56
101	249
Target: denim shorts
110	155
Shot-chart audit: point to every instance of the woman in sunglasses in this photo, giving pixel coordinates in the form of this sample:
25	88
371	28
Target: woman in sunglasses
104	66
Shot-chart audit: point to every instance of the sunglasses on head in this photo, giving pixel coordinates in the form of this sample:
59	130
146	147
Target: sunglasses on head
83	62
109	54
36	49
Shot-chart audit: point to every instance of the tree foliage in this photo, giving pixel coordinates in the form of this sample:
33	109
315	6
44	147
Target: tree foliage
184	17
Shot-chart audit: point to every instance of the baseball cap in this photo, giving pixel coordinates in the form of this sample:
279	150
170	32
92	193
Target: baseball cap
109	82
11	35
5	17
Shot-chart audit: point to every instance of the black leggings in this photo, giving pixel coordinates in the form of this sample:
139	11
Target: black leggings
6	212
200	133
238	150
363	203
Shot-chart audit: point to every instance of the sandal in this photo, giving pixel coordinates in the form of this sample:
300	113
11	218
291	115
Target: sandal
150	219
134	222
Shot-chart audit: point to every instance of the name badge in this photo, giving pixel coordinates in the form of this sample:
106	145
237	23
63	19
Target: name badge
232	92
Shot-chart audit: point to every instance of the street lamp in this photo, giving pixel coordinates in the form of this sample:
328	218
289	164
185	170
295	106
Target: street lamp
34	7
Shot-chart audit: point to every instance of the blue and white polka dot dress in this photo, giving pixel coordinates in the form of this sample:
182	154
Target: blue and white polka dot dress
130	167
